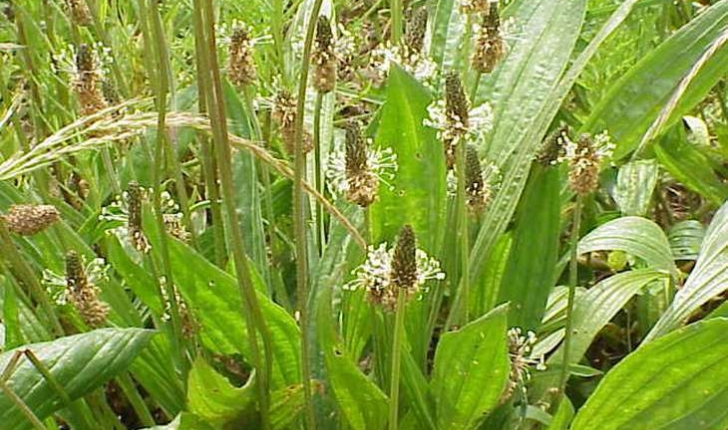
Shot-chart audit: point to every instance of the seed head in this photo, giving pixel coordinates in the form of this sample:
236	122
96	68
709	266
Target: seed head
27	220
79	12
134	222
416	29
82	294
476	189
404	262
241	64
489	46
519	353
362	183
584	162
284	113
473	7
457	116
87	83
323	57
552	149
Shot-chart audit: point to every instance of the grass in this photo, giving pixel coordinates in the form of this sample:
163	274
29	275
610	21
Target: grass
249	223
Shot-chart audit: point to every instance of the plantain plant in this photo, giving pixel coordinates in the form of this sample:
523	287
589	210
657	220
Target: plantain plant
326	214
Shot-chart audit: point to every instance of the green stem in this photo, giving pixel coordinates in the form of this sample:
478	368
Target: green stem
320	227
299	217
209	168
464	290
396	360
250	306
161	145
395	9
573	266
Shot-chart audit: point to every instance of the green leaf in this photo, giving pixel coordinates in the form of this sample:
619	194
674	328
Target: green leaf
214	298
361	403
79	363
563	416
708	279
638	236
526	94
685	239
593	309
211	397
676	382
470	371
635	183
634	102
689	166
537	227
418	192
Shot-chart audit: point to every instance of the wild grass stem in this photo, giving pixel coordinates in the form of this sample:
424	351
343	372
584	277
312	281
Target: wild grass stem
299	216
573	272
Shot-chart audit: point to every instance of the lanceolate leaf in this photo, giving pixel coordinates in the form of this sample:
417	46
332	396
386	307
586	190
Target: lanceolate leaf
79	363
214	299
523	97
708	279
471	370
418	193
674	383
362	404
633	235
532	260
636	99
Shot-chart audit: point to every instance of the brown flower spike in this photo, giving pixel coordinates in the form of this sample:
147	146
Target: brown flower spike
27	220
457	115
82	294
414	36
284	113
584	166
79	12
362	182
87	83
476	189
241	64
404	261
134	223
323	57
489	46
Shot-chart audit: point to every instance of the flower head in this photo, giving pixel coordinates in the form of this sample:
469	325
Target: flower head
323	57
490	46
585	157
284	113
82	294
519	353
415	31
241	64
27	220
357	171
387	272
87	82
454	120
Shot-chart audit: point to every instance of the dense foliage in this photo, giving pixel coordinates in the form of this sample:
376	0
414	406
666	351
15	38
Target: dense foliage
323	214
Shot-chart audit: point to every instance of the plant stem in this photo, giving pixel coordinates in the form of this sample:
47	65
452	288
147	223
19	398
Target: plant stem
573	266
299	217
320	227
162	88
464	289
396	359
395	9
250	306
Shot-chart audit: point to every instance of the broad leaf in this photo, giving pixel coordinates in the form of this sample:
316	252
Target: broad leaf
686	237
708	279
633	235
471	370
79	363
417	196
676	382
